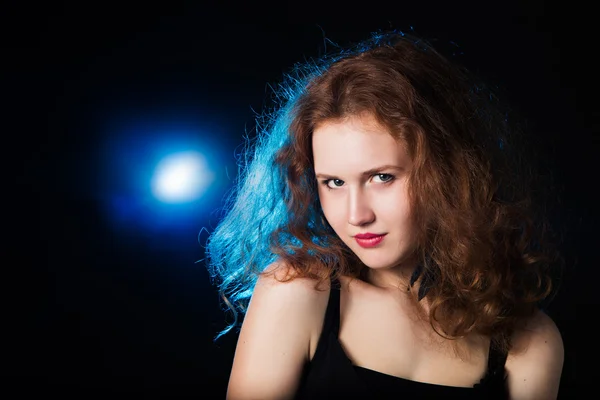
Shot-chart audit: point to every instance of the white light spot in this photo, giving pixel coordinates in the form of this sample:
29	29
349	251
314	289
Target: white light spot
181	177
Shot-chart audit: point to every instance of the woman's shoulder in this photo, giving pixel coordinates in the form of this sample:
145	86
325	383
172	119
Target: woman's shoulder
534	364
281	287
282	277
537	333
275	338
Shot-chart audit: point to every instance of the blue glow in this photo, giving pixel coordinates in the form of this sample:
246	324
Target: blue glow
181	177
162	174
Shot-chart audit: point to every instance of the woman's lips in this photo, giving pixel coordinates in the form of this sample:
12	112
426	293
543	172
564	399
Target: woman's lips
370	242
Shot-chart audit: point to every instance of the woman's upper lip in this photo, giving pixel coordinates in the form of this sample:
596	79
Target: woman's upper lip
368	235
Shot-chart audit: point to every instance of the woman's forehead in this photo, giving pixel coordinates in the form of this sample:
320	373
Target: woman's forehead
355	146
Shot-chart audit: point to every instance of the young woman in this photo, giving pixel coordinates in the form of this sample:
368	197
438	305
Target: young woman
379	242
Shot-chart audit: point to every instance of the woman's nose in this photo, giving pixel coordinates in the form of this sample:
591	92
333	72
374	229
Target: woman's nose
359	210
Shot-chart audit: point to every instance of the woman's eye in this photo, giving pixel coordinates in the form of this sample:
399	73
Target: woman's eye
336	182
385	177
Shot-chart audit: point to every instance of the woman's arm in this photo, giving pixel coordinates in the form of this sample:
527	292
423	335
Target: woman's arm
274	340
534	366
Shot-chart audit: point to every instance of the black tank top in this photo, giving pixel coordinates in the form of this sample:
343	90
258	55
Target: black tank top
331	374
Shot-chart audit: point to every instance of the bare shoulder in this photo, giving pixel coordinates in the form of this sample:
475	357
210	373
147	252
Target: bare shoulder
534	365
274	341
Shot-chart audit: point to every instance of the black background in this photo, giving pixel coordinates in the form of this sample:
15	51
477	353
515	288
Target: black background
89	311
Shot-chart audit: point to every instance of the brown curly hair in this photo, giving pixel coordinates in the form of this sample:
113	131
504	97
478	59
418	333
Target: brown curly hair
477	237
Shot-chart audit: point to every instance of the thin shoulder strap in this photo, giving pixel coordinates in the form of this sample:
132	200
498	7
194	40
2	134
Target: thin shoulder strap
331	323
333	308
496	360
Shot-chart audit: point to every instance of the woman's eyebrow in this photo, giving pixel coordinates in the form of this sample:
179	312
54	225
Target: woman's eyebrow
369	172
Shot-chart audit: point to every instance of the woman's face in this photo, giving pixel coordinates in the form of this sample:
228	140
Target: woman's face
362	173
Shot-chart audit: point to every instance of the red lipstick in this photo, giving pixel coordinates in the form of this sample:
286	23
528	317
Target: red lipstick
367	240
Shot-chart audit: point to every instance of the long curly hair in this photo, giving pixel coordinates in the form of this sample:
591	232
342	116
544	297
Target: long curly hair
483	249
